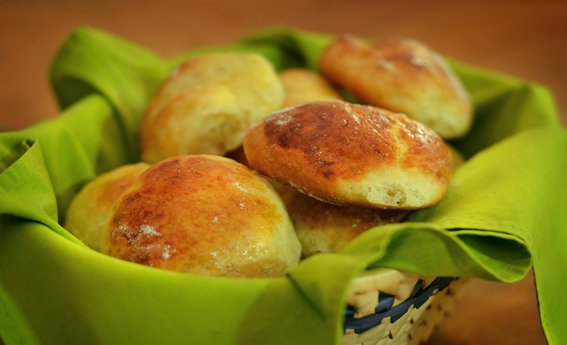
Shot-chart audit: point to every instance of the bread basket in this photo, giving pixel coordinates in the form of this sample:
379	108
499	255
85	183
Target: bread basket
54	290
386	306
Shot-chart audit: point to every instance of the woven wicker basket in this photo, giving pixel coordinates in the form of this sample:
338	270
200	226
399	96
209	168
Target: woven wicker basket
387	306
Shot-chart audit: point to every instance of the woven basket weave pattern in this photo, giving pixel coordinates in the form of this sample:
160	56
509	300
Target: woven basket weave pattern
421	313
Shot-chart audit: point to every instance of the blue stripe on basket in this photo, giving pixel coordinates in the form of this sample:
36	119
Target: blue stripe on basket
384	308
385	302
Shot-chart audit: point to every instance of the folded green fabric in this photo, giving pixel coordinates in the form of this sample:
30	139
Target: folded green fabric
506	209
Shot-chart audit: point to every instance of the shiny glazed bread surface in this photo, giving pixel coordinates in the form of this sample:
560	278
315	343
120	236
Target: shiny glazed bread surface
203	214
403	76
351	155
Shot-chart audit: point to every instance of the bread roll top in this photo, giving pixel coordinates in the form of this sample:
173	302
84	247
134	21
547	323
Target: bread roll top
404	76
352	155
203	214
207	104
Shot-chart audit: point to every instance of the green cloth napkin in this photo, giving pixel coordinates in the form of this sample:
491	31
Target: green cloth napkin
505	211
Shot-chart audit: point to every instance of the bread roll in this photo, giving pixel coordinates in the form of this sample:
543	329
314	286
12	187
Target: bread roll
206	215
88	212
207	105
403	76
325	228
302	85
351	155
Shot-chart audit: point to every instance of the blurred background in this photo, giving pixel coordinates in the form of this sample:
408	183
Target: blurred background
526	39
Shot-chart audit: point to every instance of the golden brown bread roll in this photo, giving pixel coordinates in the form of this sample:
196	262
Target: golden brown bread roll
302	85
322	227
352	155
325	228
403	76
207	105
88	212
203	214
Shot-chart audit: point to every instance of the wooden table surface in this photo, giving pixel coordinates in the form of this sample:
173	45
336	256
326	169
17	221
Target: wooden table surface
527	39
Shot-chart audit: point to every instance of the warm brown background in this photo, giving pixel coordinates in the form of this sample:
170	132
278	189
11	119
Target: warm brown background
527	39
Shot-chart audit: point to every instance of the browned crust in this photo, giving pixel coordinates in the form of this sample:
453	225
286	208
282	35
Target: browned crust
400	75
315	146
187	214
